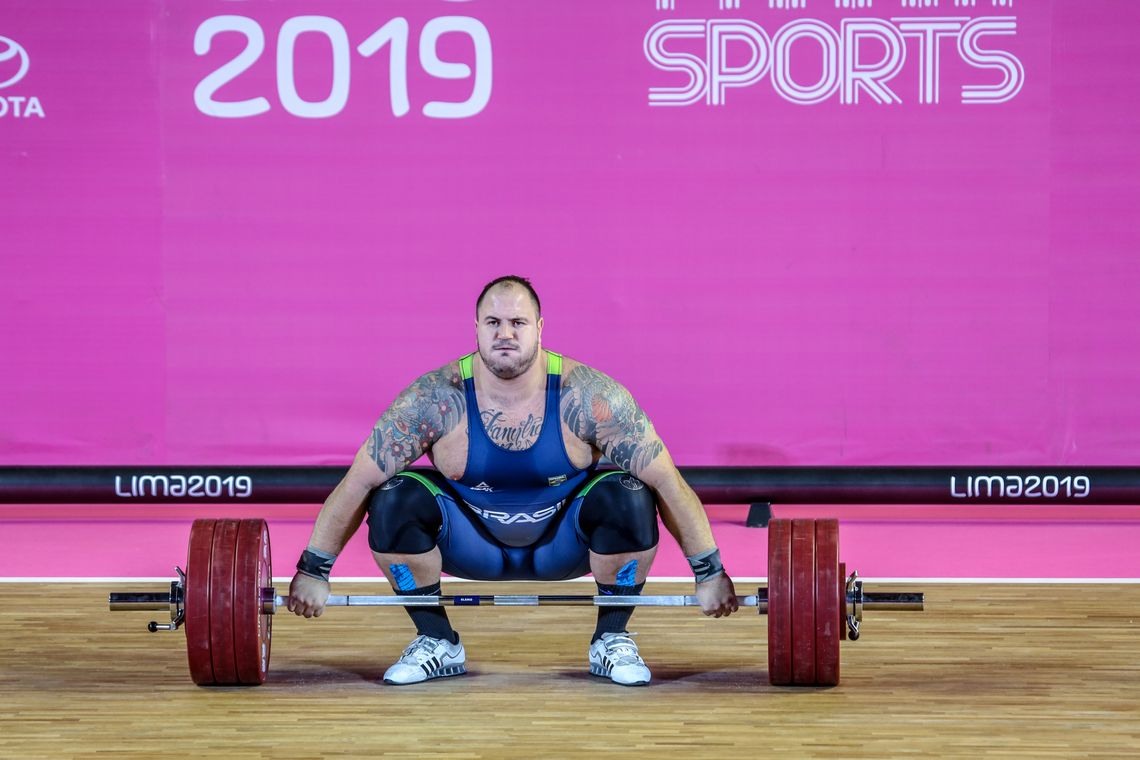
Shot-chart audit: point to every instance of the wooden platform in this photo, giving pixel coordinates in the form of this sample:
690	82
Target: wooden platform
1002	671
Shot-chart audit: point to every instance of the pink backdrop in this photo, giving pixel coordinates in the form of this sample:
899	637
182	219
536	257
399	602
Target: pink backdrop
776	281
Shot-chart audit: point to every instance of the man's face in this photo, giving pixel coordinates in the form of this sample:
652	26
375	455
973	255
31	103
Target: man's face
508	330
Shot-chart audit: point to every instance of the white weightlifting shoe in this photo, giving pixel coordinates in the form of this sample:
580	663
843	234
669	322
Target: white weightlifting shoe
427	658
615	656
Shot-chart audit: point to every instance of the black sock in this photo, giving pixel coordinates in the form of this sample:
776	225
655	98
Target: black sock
430	621
614	619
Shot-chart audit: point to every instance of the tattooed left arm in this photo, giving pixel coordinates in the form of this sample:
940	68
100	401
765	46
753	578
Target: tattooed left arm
605	415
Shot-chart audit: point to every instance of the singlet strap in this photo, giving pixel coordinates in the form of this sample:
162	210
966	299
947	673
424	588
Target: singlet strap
553	364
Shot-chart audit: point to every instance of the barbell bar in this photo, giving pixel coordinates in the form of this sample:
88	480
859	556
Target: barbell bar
135	601
227	607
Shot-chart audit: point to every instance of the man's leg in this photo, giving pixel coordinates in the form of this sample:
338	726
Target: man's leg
618	516
404	521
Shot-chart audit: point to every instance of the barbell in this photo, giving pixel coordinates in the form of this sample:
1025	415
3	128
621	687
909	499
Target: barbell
226	603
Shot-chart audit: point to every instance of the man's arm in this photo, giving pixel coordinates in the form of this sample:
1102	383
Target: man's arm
603	413
423	413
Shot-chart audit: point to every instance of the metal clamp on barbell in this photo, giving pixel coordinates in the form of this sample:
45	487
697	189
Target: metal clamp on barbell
854	605
174	600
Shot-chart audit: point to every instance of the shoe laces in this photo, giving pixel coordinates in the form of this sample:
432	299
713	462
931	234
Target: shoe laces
621	649
421	648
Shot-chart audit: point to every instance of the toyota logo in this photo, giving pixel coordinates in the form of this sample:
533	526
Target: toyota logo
9	50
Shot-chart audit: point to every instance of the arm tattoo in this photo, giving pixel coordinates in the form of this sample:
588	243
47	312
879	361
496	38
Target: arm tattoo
423	413
603	413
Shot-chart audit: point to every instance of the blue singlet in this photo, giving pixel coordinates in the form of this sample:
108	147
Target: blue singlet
515	494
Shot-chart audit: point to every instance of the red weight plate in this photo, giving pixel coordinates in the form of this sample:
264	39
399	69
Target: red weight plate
197	602
222	601
827	602
251	626
780	602
843	601
803	602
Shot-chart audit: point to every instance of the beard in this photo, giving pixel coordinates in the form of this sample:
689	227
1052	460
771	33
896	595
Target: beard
510	366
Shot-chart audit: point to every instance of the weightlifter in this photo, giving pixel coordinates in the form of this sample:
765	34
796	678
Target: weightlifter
515	433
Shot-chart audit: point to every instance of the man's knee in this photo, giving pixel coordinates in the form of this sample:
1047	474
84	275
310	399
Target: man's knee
619	515
403	517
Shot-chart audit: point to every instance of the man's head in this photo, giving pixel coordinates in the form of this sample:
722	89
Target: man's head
508	326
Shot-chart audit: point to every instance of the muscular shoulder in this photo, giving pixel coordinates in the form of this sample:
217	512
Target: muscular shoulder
602	412
428	409
446	378
591	398
434	397
581	381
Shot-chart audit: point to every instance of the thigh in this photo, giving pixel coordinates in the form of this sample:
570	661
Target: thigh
417	511
618	514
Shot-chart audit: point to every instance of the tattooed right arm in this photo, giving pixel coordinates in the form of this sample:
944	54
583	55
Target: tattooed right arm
423	413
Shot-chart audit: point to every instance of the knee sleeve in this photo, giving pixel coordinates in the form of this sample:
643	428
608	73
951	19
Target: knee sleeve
404	516
618	515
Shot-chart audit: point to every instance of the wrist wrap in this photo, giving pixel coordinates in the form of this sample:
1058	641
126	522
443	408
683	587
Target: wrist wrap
316	563
706	565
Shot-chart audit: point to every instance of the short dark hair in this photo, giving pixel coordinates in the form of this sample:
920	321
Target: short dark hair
511	279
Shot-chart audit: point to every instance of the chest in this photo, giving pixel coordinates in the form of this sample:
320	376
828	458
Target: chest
512	427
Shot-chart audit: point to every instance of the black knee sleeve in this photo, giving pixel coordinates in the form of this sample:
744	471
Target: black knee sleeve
618	515
403	517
